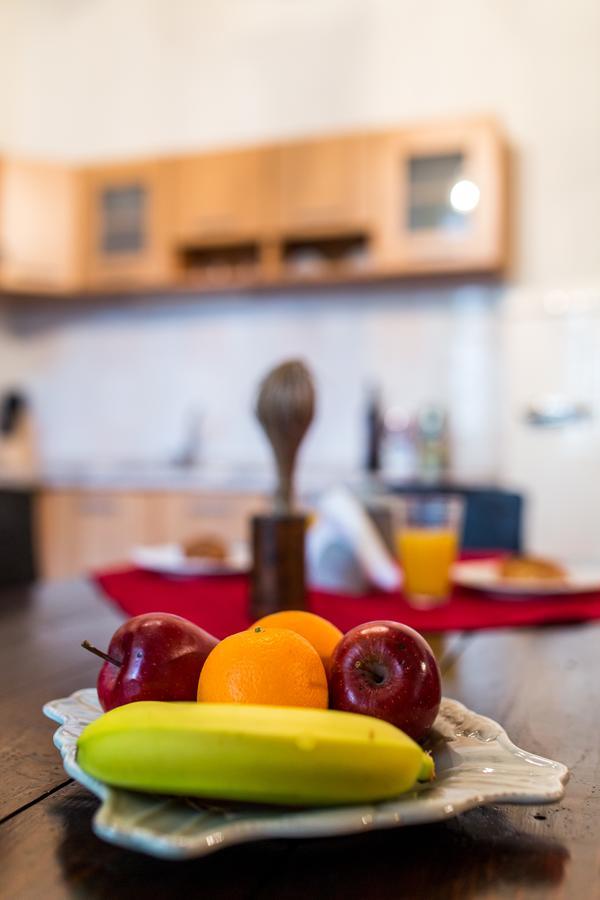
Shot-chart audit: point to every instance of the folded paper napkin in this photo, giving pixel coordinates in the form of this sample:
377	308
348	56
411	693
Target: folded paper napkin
344	550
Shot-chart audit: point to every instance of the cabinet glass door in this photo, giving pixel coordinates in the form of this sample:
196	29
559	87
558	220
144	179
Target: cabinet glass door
442	199
439	197
123	219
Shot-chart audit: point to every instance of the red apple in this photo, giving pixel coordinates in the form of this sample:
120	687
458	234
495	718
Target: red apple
156	656
387	670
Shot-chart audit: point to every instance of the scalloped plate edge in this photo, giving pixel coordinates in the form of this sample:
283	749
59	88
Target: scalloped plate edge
460	729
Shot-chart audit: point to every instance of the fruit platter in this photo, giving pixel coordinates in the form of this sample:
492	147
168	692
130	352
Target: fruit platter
287	729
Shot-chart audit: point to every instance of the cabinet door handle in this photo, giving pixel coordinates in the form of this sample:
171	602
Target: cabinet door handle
214	222
319	214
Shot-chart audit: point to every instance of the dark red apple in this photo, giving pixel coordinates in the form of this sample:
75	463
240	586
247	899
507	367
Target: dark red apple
387	670
156	656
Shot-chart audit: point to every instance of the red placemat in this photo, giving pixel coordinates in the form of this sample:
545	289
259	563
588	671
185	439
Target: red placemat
220	605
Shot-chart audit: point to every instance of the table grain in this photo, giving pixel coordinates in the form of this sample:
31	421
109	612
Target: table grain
542	684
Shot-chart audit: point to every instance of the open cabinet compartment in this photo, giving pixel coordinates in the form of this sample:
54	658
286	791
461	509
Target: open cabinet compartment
320	256
220	264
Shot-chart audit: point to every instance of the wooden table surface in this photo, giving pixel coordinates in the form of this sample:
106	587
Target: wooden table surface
543	685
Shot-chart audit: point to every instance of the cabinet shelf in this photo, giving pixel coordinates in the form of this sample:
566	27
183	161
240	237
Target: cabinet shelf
340	256
220	265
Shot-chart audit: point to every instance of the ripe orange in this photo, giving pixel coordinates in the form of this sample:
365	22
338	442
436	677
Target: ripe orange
318	631
273	666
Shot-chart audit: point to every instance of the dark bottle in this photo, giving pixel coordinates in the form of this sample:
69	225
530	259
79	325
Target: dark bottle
374	423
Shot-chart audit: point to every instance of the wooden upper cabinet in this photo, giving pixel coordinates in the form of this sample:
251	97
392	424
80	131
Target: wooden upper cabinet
442	196
220	196
323	186
40	224
129	225
414	201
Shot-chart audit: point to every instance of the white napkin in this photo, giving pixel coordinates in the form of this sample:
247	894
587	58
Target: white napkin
344	549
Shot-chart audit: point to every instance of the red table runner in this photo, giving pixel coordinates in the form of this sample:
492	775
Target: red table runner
220	605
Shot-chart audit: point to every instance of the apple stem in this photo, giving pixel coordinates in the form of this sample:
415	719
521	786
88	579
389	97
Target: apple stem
111	659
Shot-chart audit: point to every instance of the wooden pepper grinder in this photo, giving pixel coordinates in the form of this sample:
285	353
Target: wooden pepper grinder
285	409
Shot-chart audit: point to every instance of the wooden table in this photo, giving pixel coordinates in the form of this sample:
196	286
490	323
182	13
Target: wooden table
543	685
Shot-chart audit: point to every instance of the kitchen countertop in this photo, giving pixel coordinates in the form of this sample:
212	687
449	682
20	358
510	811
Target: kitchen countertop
232	478
241	479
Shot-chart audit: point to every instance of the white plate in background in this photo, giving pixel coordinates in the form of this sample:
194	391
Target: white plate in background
170	560
484	575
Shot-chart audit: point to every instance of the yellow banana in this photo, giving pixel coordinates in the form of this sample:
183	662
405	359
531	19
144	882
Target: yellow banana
264	754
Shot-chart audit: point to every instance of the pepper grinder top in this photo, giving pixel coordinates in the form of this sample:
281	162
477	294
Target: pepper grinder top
285	409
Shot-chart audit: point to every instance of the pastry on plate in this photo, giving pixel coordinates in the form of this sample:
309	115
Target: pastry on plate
530	568
208	546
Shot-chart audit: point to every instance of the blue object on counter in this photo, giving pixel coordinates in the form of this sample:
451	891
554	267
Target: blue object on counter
492	518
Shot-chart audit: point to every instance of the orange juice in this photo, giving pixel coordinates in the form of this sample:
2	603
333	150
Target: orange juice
426	555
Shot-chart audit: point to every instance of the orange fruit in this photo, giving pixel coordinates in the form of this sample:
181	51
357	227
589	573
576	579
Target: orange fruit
318	631
272	666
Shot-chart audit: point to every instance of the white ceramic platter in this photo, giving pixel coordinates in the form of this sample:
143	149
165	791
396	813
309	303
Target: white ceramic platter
170	560
483	575
475	760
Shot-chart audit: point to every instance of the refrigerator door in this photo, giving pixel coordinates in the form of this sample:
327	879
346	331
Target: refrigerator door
551	420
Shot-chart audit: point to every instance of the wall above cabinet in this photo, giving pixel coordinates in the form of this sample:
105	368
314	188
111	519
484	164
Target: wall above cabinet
407	202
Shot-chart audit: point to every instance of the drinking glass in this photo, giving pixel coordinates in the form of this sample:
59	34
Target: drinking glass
427	530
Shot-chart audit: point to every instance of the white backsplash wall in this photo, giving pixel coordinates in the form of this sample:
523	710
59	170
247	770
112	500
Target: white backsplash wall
119	384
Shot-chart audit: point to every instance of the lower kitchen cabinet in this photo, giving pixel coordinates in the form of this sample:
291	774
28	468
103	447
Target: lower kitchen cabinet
223	514
82	530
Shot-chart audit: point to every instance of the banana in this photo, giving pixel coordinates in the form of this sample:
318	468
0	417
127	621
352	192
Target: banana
264	754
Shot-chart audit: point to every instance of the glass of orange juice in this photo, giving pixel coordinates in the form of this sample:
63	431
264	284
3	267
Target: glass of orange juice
427	531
